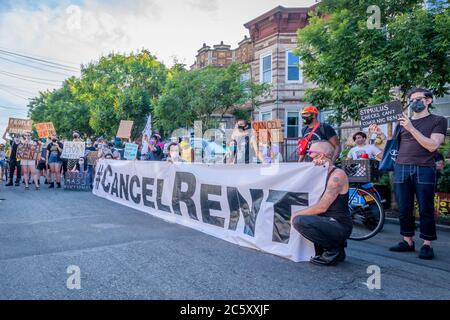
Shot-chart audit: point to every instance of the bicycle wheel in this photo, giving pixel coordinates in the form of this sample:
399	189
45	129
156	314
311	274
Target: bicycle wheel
367	214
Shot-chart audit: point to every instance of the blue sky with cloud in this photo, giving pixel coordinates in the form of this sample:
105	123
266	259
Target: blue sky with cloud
80	31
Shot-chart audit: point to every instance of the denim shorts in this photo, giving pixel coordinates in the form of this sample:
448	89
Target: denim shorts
54	160
2	163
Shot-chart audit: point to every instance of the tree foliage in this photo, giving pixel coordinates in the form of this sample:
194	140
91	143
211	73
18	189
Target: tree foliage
354	66
117	87
204	95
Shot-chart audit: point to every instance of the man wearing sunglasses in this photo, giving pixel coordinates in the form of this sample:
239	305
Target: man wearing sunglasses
415	171
328	223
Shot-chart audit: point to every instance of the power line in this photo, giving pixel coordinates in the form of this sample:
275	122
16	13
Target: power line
74	64
18	89
14	94
13	108
12	74
37	82
40	61
35	67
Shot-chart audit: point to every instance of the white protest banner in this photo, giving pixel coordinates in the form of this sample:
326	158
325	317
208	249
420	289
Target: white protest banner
148	126
130	152
73	150
249	205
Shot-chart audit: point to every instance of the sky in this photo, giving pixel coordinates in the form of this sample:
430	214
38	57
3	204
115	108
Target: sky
64	34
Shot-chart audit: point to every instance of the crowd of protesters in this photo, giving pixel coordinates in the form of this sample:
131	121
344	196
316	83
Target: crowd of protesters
415	169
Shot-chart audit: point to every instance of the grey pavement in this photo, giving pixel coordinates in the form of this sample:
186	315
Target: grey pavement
127	254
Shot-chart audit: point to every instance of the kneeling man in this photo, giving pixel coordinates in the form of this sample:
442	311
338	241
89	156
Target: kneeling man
328	223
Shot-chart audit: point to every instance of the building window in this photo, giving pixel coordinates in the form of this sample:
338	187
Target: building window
245	82
266	116
292	125
266	69
293	71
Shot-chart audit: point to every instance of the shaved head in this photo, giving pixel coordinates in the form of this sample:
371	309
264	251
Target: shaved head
323	146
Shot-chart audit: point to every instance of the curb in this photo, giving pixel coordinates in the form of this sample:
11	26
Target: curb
439	227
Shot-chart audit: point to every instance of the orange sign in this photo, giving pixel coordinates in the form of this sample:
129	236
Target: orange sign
45	129
268	131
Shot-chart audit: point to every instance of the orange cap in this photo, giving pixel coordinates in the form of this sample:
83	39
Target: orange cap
310	109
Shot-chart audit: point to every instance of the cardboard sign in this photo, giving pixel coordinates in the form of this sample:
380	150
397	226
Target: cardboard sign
92	157
73	150
19	126
45	129
268	131
125	129
27	151
77	181
380	114
131	150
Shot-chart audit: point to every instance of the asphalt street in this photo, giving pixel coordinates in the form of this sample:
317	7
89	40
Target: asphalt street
127	254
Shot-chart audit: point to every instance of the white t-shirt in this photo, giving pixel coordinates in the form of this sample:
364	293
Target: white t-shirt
356	152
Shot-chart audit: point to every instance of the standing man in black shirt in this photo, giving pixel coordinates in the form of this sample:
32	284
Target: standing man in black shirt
323	132
415	171
14	163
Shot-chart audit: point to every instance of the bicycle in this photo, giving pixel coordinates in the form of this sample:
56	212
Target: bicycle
365	203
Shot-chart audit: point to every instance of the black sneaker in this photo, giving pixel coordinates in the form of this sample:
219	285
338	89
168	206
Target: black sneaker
426	252
403	247
52	185
9	184
58	185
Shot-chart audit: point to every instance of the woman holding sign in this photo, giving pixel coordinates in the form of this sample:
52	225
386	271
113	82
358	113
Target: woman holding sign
27	152
54	151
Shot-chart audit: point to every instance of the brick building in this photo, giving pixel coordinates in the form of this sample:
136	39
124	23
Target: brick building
269	52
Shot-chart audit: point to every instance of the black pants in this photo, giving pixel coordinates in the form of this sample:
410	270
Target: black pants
322	231
12	166
421	181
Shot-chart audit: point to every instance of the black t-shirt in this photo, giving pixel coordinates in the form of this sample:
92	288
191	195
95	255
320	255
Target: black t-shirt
323	133
410	151
53	150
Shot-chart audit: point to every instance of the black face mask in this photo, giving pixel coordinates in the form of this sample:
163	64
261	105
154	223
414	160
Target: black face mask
417	106
307	120
242	127
54	140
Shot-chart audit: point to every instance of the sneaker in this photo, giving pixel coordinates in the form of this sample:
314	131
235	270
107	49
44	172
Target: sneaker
9	184
426	252
52	185
17	184
58	185
402	247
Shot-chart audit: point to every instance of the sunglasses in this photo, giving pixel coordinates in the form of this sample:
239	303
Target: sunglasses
313	151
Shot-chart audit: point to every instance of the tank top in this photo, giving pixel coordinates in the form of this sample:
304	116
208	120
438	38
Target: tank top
339	210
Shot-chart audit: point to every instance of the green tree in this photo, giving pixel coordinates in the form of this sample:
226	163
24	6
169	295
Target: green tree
117	87
204	95
354	66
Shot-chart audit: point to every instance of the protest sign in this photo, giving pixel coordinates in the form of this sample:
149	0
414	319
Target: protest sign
45	129
124	129
380	114
268	131
73	150
92	157
253	210
27	151
77	181
130	152
19	126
